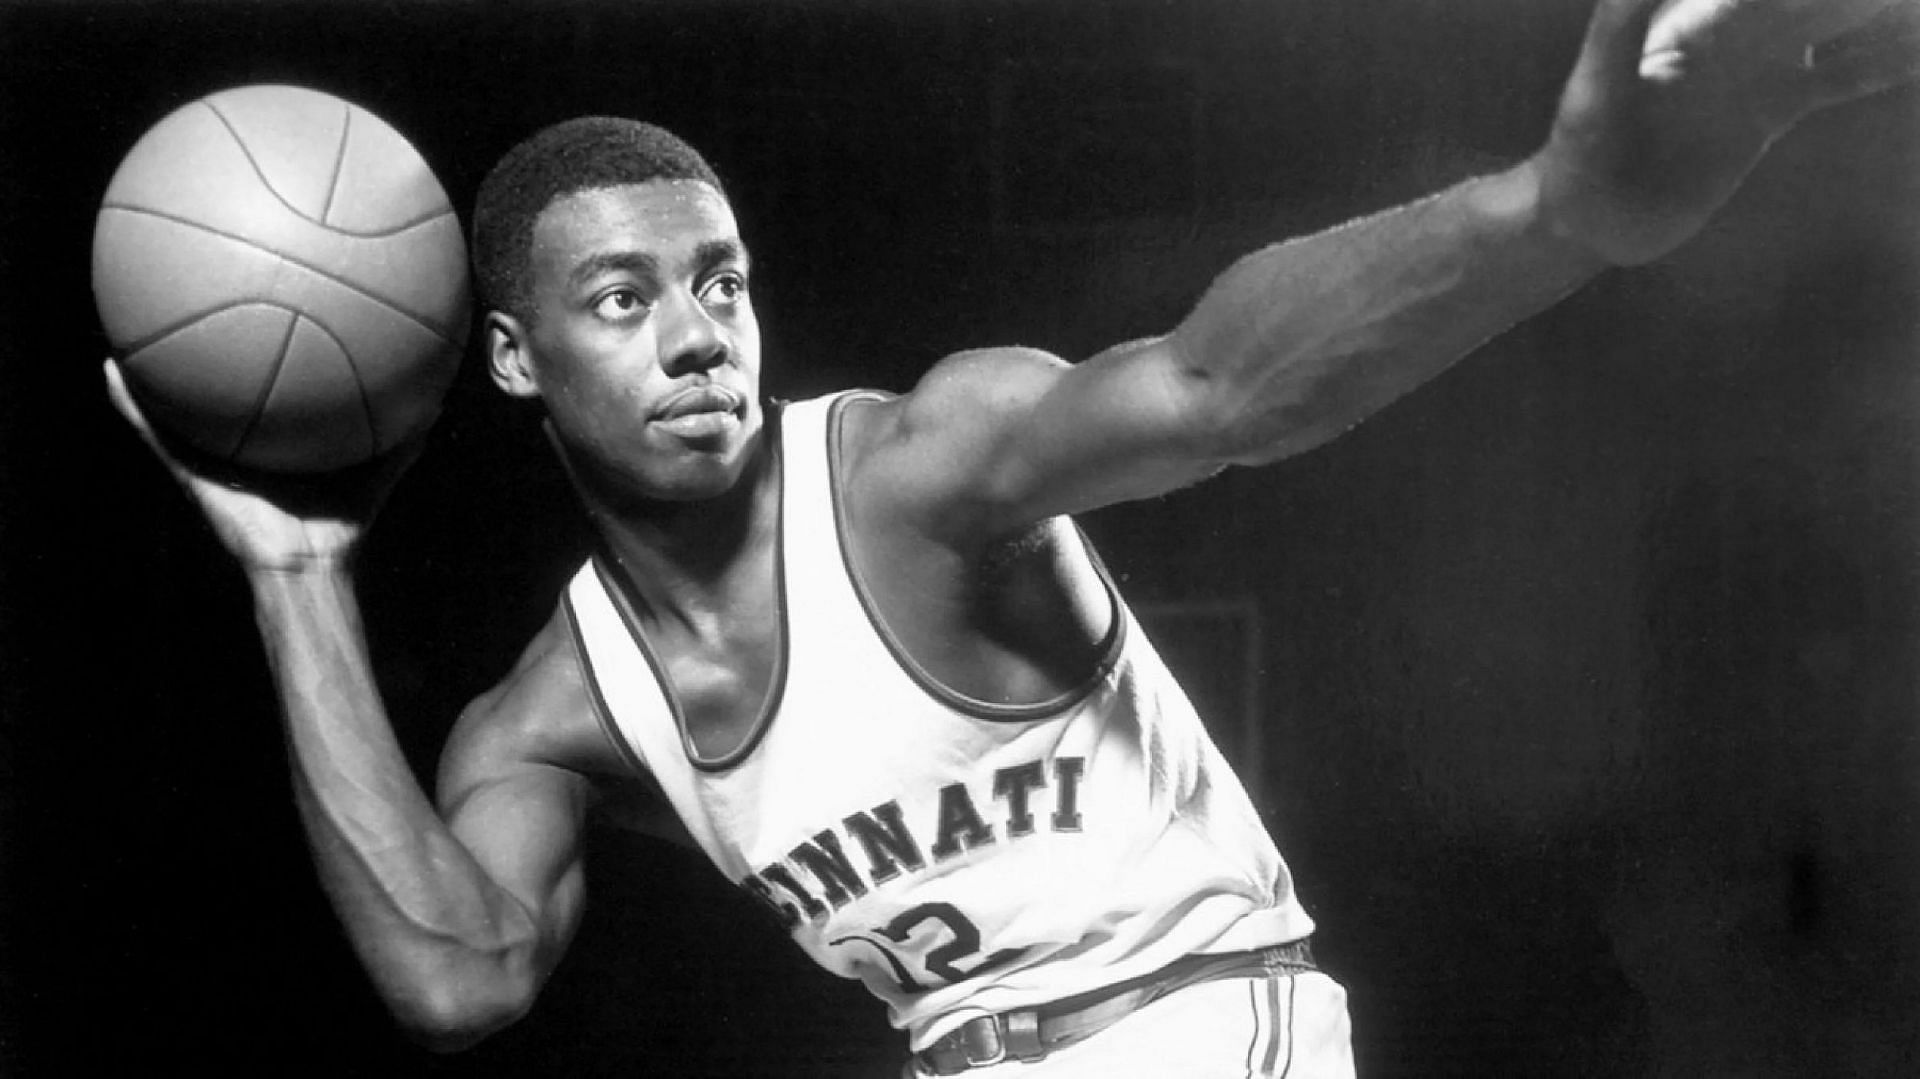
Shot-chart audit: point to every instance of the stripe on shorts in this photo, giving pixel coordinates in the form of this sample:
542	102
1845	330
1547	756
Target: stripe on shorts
1270	1056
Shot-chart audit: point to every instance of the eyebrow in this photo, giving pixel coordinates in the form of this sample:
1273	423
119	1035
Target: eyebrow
638	263
707	255
714	252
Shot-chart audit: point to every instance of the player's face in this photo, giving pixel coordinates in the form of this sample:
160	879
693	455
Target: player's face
643	344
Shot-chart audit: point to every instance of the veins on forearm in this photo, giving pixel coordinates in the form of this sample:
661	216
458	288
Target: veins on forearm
374	830
1306	338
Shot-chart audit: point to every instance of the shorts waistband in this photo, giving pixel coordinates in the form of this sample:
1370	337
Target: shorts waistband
1028	1034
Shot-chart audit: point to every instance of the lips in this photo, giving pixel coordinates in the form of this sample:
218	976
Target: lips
700	399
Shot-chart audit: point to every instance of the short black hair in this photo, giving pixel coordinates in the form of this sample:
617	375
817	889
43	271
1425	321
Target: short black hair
581	154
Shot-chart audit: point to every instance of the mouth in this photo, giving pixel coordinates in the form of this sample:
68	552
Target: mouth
702	412
699	399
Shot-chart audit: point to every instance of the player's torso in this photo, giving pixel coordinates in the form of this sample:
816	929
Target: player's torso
1023	622
889	794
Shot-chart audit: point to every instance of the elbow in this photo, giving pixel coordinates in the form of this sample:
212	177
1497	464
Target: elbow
455	1014
447	1035
1203	415
1222	424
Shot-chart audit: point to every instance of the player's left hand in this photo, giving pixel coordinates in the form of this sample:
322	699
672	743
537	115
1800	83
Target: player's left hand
1672	102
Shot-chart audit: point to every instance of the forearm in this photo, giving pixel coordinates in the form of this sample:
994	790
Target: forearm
1298	342
447	948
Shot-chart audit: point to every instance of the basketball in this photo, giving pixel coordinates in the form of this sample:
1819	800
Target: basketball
282	279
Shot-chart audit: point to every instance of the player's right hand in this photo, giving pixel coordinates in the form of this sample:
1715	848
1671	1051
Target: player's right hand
274	524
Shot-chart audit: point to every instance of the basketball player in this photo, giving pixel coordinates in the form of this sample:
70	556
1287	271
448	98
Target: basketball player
854	649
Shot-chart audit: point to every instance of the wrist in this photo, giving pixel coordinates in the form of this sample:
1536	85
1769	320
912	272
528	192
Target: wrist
1621	219
321	549
290	601
294	576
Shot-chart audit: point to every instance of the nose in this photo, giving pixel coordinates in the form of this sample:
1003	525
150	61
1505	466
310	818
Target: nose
693	342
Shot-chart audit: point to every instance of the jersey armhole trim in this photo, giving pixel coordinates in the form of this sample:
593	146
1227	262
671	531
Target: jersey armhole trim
1110	647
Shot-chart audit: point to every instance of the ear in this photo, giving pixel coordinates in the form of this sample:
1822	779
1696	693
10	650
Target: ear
509	356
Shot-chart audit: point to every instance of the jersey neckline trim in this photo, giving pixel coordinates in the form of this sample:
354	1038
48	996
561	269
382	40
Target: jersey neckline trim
603	709
1110	647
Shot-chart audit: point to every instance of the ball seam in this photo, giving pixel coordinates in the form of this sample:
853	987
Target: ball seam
267	182
444	333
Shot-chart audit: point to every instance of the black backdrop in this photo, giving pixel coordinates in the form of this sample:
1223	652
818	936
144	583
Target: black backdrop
1583	679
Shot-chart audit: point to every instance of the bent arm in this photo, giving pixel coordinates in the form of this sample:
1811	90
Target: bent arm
458	920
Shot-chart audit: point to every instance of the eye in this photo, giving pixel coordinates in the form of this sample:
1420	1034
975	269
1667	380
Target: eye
619	303
724	290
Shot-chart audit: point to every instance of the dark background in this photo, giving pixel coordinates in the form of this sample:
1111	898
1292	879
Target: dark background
1584	677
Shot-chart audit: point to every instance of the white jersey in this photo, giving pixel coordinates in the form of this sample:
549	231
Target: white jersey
957	856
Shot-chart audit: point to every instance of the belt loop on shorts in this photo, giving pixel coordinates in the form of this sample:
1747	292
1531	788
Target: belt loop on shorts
990	1039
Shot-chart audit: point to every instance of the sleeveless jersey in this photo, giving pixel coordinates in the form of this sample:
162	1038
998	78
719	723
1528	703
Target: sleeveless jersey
959	857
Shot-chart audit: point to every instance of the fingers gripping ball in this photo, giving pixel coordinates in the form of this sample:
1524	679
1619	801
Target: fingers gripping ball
283	279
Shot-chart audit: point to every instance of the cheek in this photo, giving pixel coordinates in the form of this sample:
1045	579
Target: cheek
746	342
589	376
608	404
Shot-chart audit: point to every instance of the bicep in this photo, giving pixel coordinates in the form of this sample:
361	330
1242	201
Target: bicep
508	795
1010	437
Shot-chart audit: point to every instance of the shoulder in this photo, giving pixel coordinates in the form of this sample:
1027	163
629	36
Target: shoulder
979	384
961	388
932	450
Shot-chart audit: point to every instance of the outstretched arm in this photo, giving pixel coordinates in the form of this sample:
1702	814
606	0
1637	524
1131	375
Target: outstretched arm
1666	112
458	919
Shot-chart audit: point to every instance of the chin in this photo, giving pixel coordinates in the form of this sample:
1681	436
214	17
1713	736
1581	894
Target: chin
695	488
660	470
703	477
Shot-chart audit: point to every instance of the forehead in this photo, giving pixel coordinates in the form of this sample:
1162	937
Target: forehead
666	219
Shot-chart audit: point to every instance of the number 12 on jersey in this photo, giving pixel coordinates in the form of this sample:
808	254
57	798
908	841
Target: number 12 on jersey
934	937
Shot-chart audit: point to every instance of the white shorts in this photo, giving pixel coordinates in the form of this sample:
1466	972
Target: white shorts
1292	1025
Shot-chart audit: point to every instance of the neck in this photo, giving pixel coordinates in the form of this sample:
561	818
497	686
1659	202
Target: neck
680	559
